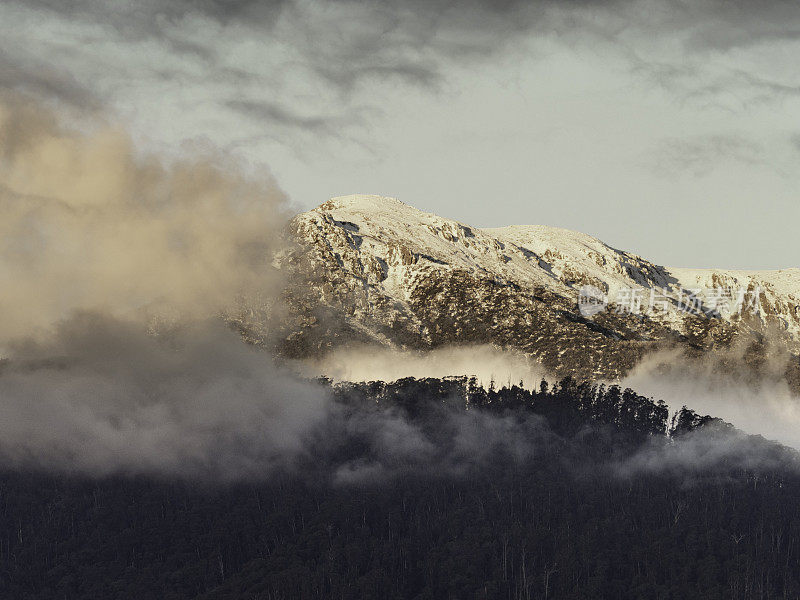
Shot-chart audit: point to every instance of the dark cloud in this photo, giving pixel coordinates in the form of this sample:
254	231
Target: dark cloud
270	114
699	155
474	26
150	17
337	47
727	24
33	77
346	42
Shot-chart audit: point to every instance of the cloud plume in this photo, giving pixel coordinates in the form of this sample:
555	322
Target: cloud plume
85	223
115	268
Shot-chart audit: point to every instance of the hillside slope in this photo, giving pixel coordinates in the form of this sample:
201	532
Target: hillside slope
370	269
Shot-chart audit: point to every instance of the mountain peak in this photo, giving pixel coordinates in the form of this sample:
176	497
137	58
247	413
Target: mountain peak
383	271
363	202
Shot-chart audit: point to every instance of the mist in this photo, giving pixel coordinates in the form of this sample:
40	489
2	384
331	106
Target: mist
757	403
104	396
504	367
715	450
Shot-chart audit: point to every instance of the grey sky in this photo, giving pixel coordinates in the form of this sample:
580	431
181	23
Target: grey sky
668	128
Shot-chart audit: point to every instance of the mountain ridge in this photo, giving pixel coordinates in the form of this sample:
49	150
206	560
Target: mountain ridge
371	269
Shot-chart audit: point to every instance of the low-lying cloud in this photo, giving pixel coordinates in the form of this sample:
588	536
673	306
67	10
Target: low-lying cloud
714	450
450	443
757	402
504	367
103	396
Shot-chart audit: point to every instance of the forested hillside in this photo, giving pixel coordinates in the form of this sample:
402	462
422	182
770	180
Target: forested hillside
435	489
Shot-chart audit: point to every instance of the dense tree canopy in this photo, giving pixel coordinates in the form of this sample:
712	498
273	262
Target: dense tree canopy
572	491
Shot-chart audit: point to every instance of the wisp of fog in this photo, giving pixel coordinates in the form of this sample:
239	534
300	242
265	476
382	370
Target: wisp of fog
761	403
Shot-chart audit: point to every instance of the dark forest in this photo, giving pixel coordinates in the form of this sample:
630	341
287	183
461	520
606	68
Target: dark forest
574	491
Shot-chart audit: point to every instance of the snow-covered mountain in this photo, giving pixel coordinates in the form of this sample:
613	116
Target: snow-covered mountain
373	269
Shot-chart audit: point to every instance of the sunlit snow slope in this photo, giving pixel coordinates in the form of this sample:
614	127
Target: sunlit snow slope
373	269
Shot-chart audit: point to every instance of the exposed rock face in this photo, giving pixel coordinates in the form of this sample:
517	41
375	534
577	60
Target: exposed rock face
372	269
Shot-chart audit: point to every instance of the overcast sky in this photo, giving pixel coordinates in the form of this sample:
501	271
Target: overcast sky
668	128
